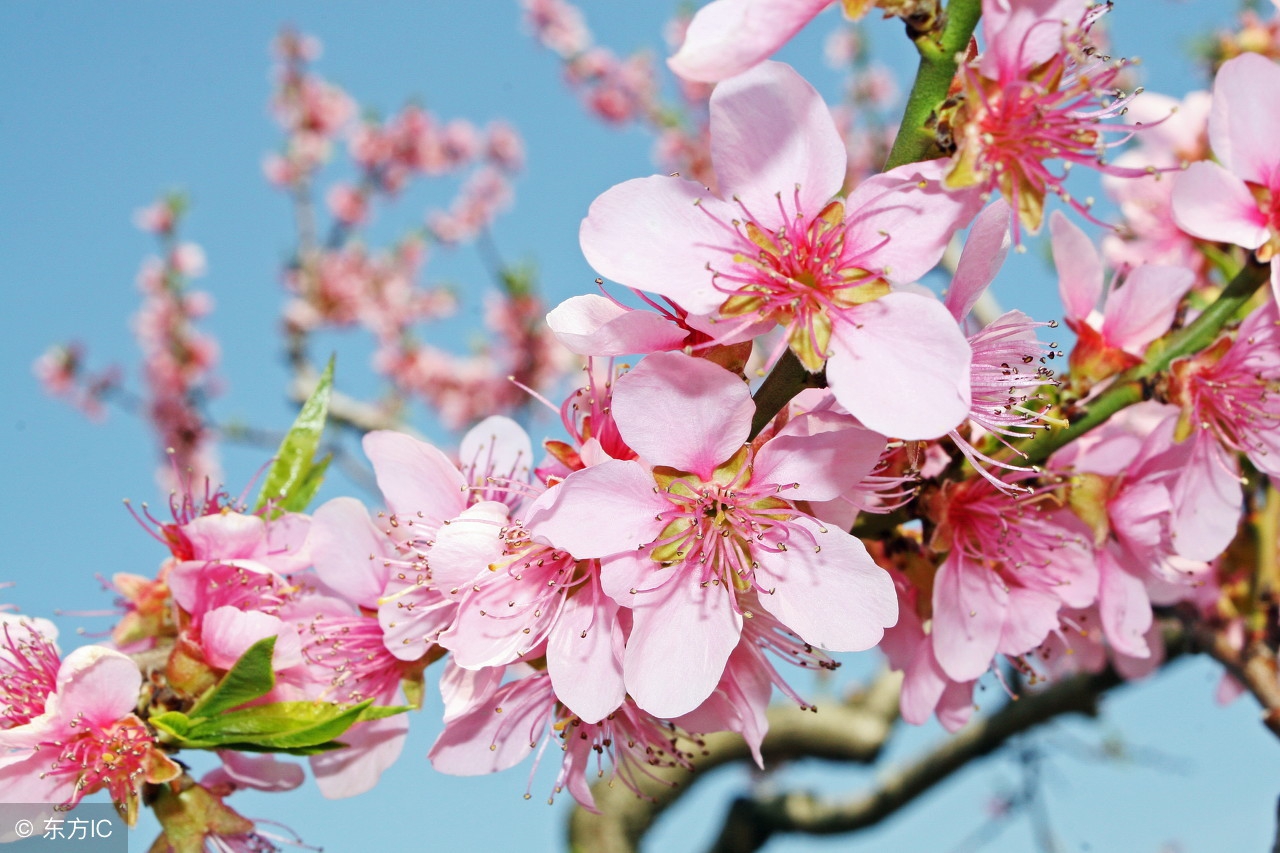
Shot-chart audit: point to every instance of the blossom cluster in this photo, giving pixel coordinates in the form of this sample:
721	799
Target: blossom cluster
914	474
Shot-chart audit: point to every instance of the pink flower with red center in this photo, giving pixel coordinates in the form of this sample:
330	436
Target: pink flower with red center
1139	307
774	248
1232	390
1012	563
714	518
68	725
1238	201
1038	92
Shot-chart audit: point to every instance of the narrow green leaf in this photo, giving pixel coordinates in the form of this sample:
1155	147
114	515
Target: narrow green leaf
301	497
294	476
327	746
381	712
280	725
250	677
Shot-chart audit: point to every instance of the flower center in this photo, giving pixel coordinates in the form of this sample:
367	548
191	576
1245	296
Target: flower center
799	275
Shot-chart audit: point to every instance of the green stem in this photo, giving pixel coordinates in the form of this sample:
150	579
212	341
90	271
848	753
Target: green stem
1130	387
913	143
933	81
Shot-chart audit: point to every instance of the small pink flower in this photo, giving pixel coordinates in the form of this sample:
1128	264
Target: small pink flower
1239	201
68	728
774	248
1038	92
680	541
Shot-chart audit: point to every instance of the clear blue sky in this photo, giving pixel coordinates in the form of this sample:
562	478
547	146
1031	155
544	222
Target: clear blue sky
104	106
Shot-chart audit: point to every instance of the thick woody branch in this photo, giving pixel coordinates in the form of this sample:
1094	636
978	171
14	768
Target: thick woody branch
855	731
751	822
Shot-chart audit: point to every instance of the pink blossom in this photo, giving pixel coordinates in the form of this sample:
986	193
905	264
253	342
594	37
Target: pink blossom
1011	564
1176	133
783	253
678	540
348	204
1039	91
558	25
1139	308
1239	201
69	727
728	37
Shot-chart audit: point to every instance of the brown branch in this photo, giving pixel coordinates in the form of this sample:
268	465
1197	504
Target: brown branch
855	731
751	822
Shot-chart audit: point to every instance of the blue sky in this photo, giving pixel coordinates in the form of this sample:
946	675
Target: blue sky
103	107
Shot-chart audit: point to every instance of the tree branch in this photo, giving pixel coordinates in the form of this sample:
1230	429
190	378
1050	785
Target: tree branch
854	731
751	822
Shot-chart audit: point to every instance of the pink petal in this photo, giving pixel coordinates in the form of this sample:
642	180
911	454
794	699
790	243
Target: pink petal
658	234
983	255
771	132
687	413
496	734
970	606
593	325
680	640
372	747
955	707
1124	607
902	220
496	453
740	702
462	690
99	683
24	778
900	365
1211	203
1032	614
826	455
1207	501
467	545
1143	309
1021	34
348	551
415	477
261	772
228	632
224	537
1244	124
605	509
832	594
727	37
1079	268
584	656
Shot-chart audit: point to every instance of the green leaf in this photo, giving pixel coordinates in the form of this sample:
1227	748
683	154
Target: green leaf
327	746
174	723
381	712
280	725
251	676
295	475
